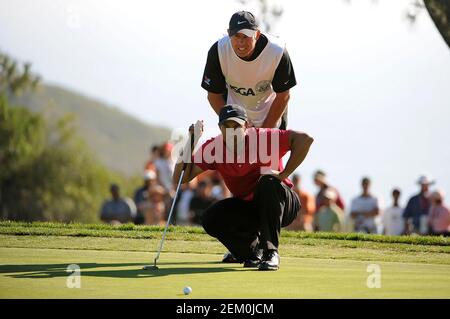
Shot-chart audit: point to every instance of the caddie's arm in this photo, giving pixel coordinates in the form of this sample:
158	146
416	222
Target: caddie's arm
217	101
191	170
276	109
299	146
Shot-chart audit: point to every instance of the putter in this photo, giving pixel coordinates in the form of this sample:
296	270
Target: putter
154	267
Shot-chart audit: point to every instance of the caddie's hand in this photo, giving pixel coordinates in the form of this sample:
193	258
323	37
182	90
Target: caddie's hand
274	173
281	176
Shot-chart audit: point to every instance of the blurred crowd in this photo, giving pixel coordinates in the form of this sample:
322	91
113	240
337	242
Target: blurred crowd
424	214
152	201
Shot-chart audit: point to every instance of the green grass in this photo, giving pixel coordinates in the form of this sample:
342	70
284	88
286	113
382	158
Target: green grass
41	273
310	248
34	258
133	231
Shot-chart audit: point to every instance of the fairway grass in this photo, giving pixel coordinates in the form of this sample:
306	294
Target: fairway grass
34	259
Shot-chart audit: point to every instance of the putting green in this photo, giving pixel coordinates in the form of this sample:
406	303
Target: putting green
41	273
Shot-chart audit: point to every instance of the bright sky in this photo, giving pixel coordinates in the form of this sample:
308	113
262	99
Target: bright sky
373	90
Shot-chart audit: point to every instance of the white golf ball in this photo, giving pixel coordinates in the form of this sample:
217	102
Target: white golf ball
187	290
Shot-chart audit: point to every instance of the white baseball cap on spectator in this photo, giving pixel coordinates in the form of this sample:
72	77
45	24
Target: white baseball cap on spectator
425	180
149	175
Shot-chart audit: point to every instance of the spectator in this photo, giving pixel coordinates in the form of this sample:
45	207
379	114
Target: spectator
364	209
153	207
416	211
393	216
304	220
322	183
154	155
142	194
164	167
118	210
328	218
201	201
183	214
439	216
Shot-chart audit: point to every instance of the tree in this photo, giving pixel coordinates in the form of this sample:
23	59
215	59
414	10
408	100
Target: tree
13	78
47	171
439	11
21	133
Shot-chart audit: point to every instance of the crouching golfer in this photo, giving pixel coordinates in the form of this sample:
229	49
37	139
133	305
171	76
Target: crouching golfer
249	160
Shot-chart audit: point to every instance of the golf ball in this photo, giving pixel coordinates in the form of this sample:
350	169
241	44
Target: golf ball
187	290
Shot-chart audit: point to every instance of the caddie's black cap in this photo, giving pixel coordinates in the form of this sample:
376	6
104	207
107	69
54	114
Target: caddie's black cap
233	112
242	20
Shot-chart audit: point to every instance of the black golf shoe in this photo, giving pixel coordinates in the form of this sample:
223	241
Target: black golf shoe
228	258
255	260
270	261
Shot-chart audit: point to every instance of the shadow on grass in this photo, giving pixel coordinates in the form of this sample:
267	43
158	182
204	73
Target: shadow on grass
133	270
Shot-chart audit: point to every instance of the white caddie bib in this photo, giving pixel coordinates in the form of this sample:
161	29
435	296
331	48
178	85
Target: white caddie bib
249	83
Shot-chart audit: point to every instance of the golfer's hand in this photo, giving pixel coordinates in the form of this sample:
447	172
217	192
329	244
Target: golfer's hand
197	130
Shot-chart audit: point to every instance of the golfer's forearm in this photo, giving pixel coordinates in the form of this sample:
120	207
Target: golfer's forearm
300	145
276	110
216	101
184	158
177	173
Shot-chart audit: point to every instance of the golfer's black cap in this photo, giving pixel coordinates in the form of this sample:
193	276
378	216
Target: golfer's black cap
242	20
233	112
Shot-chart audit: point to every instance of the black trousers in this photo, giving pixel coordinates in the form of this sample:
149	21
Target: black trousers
242	226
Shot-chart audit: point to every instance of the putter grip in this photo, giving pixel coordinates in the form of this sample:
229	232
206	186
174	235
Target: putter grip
192	149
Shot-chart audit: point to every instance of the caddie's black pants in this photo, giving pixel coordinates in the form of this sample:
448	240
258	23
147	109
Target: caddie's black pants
241	225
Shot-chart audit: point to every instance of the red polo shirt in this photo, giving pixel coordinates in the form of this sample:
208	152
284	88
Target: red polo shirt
241	174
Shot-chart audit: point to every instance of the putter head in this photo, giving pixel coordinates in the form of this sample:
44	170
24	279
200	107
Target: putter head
150	267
